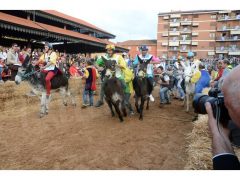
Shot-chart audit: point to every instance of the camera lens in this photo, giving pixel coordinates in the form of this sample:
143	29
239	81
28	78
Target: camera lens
199	101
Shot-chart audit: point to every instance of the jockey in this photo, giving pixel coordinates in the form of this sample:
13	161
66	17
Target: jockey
144	56
49	60
120	67
194	63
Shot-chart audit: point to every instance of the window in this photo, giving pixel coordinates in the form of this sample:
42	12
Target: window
195	16
174	29
174	20
174	38
195	53
213	16
212	35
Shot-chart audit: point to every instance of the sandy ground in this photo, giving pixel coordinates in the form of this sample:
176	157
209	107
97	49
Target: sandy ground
75	138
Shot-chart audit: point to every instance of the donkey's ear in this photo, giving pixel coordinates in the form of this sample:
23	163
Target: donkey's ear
151	58
139	59
104	59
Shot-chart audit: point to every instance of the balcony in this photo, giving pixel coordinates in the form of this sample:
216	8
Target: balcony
165	17
194	33
222	50
228	50
174	33
186	31
174	24
173	49
175	15
211	53
164	43
186	42
164	34
173	43
184	50
195	24
186	23
235	32
194	43
226	39
229	18
225	28
234	51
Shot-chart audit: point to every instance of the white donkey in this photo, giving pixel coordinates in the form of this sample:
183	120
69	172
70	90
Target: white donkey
189	71
38	85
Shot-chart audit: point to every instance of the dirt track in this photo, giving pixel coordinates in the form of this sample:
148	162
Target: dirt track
75	138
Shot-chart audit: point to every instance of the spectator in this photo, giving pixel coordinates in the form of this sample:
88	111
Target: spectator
224	157
164	87
13	61
204	80
27	57
90	75
1	65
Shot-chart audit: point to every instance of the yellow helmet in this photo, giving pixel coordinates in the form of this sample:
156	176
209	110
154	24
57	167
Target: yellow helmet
110	46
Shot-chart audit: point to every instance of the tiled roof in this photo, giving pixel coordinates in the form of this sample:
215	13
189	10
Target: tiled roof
73	19
44	27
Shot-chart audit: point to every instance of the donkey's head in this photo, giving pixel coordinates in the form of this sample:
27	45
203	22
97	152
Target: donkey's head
188	74
110	66
28	73
142	67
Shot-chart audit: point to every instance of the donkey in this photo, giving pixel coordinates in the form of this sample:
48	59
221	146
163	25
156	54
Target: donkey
36	80
141	87
113	90
188	86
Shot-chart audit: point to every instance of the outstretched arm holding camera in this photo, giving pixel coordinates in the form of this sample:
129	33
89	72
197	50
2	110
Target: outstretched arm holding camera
224	157
223	154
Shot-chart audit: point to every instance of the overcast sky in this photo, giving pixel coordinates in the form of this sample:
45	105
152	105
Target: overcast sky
127	19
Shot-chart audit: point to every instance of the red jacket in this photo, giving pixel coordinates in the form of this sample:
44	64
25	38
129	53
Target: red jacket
220	72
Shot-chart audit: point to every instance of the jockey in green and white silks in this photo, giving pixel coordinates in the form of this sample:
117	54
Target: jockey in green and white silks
119	71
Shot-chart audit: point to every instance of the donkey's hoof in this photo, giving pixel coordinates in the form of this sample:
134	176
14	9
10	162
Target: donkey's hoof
113	114
147	108
121	120
46	113
41	115
74	105
140	118
65	104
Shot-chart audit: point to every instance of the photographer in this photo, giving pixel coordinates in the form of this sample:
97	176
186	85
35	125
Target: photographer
223	154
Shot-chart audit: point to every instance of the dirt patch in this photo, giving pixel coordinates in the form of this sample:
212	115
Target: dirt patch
75	138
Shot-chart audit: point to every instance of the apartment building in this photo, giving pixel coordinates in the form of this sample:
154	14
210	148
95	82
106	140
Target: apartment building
211	33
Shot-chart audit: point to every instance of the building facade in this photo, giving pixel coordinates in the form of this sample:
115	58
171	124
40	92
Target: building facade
133	46
212	33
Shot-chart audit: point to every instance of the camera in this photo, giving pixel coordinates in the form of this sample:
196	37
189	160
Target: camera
216	99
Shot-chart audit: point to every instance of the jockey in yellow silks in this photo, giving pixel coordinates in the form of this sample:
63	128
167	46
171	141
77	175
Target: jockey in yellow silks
194	67
49	61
